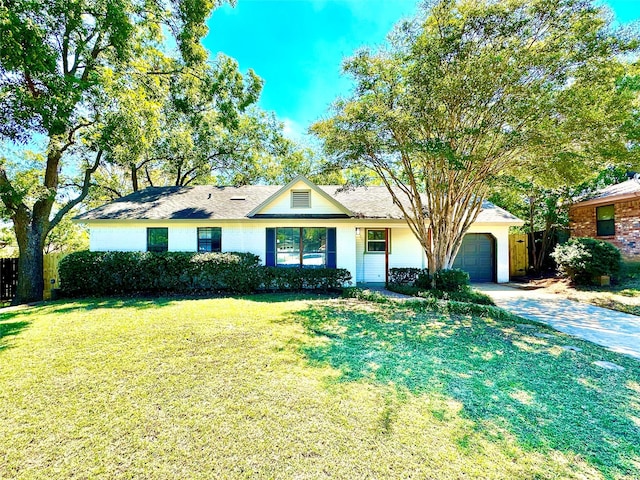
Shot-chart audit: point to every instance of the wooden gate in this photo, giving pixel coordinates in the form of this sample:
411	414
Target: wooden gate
50	270
8	278
518	254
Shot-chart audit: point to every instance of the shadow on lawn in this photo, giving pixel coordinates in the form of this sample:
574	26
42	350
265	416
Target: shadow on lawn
500	372
144	302
278	297
8	329
84	304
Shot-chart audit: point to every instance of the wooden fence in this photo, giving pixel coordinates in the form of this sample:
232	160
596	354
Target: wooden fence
518	254
8	278
51	278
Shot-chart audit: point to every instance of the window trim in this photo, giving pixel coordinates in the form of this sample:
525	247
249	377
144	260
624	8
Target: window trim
301	252
292	195
600	223
198	240
386	241
155	250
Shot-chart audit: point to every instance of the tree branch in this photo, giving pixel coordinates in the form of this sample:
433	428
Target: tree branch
148	175
8	194
85	190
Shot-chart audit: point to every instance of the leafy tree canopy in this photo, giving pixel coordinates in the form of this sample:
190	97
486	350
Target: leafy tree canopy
472	89
59	63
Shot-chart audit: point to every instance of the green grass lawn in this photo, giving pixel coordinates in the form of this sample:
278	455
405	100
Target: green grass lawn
304	387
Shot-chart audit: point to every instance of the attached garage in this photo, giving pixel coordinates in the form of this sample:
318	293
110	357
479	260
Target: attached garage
477	257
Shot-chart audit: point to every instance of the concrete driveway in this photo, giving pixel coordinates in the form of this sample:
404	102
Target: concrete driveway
617	331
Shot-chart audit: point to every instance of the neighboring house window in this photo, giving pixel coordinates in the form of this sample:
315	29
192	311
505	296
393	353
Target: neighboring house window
376	240
605	223
157	239
301	247
301	199
209	239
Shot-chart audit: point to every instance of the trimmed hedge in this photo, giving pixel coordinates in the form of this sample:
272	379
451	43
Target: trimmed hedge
404	276
115	273
410	276
453	280
585	259
284	279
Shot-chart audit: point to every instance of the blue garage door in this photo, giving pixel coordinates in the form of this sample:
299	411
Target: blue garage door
477	257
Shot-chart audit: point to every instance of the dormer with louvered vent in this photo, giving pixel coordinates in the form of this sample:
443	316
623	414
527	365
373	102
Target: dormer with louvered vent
300	198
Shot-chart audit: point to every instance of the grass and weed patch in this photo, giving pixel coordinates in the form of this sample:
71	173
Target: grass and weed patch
509	382
466	294
287	385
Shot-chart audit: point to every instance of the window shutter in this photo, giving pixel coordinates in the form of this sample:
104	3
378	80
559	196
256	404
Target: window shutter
331	248
270	260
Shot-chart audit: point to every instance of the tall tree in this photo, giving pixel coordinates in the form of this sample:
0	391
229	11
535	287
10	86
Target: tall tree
55	58
463	93
568	158
194	126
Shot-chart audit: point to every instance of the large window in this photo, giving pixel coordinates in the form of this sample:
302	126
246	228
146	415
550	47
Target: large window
301	247
376	240
157	239
605	223
210	239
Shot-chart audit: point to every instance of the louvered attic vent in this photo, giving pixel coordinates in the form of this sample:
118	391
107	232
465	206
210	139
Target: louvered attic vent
300	199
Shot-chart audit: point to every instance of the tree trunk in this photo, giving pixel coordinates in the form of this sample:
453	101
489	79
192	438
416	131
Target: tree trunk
134	178
32	226
30	236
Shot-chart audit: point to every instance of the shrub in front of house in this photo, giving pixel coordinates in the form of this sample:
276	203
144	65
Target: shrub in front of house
113	273
451	280
583	260
423	280
403	276
298	279
452	285
230	271
116	273
410	276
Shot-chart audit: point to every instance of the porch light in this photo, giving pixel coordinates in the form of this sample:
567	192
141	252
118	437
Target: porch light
357	231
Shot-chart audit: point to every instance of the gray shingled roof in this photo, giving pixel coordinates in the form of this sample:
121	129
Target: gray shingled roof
612	193
226	203
624	188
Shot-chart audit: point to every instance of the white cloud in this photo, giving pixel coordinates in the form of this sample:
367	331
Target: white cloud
293	130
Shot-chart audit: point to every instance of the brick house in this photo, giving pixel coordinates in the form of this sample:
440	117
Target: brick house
613	214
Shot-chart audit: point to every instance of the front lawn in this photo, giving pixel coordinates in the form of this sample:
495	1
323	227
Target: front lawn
305	387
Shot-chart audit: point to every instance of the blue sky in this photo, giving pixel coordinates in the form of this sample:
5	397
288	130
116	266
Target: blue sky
297	46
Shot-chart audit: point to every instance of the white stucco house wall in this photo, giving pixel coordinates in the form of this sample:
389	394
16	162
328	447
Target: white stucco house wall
359	229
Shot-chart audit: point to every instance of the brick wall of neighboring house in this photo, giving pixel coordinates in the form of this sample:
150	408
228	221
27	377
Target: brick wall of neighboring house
627	225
